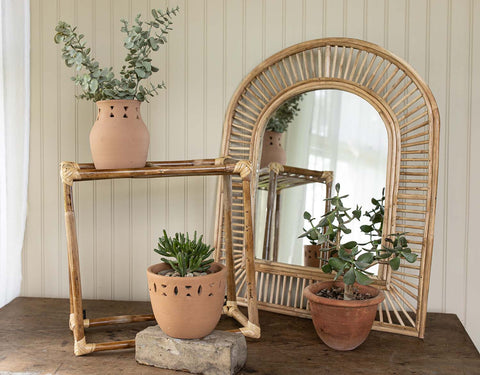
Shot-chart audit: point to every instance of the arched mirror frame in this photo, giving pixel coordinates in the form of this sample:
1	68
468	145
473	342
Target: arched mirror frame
409	111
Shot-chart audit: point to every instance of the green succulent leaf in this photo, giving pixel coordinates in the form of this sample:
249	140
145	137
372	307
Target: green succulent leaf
327	268
395	263
410	257
350	245
349	277
362	278
336	263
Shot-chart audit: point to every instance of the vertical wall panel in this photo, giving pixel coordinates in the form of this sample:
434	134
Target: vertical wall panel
334	18
33	244
195	119
458	118
214	98
214	44
121	197
375	19
314	19
67	138
438	71
103	189
473	255
355	19
157	122
274	26
177	106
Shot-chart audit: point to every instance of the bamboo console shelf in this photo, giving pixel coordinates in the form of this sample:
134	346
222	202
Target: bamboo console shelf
72	172
275	178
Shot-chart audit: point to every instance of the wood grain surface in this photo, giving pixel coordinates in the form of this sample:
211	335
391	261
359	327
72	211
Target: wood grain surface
35	339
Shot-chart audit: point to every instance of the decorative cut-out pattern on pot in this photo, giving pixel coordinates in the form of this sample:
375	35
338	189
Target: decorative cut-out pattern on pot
119	137
187	307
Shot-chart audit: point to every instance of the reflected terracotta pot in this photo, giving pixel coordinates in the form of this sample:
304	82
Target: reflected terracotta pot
272	150
187	307
342	325
119	137
312	255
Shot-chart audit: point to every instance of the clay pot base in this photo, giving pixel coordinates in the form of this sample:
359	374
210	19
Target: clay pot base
342	325
187	307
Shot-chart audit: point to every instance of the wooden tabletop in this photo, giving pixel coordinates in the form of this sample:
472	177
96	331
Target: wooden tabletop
35	339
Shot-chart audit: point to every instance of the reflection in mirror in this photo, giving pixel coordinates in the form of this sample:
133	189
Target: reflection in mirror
334	132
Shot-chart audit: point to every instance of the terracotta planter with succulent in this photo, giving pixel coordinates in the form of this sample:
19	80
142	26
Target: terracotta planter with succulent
343	313
187	291
119	137
272	149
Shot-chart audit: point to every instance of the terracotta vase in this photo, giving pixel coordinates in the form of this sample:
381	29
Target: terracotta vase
272	150
187	307
311	255
342	325
119	137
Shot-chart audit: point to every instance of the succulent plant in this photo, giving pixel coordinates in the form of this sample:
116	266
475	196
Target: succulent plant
189	255
141	39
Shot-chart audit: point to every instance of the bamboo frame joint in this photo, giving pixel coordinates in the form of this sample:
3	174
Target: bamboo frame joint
244	168
251	330
275	167
81	347
69	171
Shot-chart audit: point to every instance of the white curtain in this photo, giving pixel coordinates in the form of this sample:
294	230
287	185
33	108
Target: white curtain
14	135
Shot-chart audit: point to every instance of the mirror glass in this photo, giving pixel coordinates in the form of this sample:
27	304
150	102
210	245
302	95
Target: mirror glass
326	130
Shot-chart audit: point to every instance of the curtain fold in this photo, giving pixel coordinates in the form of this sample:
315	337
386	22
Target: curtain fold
14	141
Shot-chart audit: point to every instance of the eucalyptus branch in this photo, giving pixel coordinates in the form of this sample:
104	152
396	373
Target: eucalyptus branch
140	41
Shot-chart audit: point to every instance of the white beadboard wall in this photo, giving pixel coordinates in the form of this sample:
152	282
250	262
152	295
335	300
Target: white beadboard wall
214	44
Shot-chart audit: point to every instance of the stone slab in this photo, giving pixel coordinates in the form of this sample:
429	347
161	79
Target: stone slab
220	353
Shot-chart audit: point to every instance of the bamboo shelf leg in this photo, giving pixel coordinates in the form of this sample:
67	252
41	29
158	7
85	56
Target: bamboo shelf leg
77	323
271	203
76	316
277	228
249	255
227	209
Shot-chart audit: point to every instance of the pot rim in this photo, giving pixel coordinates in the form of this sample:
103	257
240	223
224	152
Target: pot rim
223	269
312	297
117	101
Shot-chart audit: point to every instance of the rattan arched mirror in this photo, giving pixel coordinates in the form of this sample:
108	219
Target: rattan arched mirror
409	112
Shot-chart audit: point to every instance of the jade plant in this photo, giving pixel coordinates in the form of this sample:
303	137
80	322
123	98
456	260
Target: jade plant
100	83
351	260
284	115
189	255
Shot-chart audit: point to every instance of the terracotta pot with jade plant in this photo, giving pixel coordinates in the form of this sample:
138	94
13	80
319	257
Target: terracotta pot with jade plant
272	149
343	311
187	290
119	137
